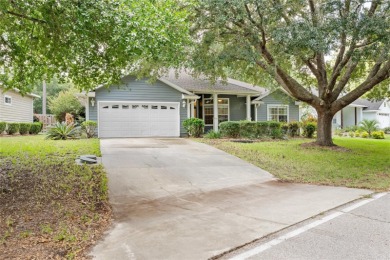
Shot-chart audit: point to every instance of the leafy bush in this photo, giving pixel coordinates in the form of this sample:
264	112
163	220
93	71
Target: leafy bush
309	129
284	128
3	126
62	131
364	134
213	135
351	134
293	128
35	118
351	128
230	129
262	128
89	127
357	133
24	128
248	129
369	126
65	102
194	126
276	133
274	125
35	128
386	130
378	135
12	128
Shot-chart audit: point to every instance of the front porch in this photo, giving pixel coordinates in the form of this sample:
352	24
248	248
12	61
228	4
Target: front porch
229	107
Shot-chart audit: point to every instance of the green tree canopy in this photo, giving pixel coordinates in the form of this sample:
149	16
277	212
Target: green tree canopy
339	48
90	42
66	102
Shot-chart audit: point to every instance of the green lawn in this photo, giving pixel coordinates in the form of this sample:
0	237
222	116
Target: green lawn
366	164
50	207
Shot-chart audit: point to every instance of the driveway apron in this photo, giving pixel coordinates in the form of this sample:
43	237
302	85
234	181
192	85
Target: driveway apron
180	199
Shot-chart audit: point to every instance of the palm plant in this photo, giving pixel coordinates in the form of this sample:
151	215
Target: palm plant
62	131
369	126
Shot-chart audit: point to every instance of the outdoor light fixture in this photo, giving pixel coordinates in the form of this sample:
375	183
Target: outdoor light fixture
92	102
184	103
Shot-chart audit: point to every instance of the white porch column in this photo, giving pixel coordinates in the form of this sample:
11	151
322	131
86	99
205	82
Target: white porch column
188	108
192	109
248	107
87	109
215	112
256	106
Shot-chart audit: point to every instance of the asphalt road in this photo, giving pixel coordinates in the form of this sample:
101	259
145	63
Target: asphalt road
358	233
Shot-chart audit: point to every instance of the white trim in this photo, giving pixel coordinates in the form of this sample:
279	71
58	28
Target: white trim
255	107
216	112
271	92
188	108
228	92
5	103
175	86
190	96
138	102
278	105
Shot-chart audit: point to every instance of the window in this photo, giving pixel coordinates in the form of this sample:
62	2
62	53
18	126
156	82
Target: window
8	100
278	113
154	107
115	106
163	107
223	110
125	106
105	107
145	106
134	106
334	121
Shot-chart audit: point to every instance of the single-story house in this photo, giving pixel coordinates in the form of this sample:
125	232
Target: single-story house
16	108
137	108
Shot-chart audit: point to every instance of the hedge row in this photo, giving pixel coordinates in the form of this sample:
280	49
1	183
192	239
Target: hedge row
249	129
21	128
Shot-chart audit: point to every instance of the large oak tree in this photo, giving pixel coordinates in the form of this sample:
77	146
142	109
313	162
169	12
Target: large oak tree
90	42
326	53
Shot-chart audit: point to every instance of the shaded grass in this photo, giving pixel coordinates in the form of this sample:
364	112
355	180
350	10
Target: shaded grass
364	164
50	207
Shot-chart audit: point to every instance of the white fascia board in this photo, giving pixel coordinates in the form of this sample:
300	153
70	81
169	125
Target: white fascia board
28	94
175	86
257	102
190	96
270	92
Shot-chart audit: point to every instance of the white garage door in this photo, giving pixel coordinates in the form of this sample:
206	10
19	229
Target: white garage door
139	119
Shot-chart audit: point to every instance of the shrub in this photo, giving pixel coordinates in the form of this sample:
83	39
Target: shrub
351	134
369	126
230	129
213	135
357	133
262	128
284	128
24	128
62	131
89	127
194	126
35	119
35	128
248	129
3	126
276	133
364	134
309	129
293	128
378	135
65	102
12	128
274	125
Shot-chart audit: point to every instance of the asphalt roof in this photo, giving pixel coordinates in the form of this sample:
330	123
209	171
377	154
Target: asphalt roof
202	84
369	105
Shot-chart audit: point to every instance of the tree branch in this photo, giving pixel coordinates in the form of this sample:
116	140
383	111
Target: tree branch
378	74
26	17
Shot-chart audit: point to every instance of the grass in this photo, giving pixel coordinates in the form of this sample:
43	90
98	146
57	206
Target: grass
45	197
366	163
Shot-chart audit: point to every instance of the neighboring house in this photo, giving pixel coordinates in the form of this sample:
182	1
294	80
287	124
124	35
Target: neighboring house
378	110
16	108
137	108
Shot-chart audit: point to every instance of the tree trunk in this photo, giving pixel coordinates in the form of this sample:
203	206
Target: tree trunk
324	128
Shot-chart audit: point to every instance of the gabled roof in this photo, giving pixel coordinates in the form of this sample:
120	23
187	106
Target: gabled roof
27	94
203	85
369	105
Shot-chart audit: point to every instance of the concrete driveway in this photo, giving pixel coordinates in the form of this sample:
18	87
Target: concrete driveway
179	199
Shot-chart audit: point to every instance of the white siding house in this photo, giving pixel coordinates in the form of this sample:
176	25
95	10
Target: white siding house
16	108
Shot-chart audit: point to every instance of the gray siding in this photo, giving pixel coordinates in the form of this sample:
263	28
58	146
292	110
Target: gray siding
139	90
21	109
278	98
